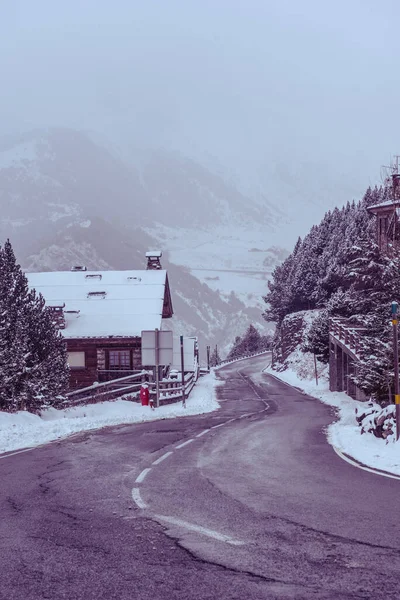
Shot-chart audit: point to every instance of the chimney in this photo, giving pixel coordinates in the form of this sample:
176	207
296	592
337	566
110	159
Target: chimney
153	259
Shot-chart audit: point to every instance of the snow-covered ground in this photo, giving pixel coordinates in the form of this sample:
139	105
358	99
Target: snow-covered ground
24	430
344	434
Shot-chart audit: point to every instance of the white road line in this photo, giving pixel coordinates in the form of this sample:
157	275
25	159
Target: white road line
137	498
202	433
184	443
142	475
246	415
215	426
18	452
202	530
163	457
364	468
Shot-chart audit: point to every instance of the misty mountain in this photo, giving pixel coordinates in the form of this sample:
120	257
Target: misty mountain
184	193
68	200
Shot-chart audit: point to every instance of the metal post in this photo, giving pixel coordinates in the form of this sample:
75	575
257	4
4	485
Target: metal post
315	368
157	369
395	323
183	374
208	358
216	354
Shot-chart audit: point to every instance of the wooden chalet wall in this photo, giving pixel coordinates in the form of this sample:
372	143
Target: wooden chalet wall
96	359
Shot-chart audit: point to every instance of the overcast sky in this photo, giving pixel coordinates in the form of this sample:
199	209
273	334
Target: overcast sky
241	80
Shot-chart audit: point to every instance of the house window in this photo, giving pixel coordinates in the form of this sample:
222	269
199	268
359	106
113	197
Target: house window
119	359
76	360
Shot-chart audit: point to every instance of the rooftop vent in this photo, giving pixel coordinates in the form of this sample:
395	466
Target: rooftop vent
94	276
79	268
153	259
135	279
97	294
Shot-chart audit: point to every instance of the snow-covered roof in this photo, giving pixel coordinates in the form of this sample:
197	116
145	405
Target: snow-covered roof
384	205
105	303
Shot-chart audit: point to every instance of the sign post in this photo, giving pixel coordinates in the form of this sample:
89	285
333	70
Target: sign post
395	323
157	349
183	373
157	357
208	358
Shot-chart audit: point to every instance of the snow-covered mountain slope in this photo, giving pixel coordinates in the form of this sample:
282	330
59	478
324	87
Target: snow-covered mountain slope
65	200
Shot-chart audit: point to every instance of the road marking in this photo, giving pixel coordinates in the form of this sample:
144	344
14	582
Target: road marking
202	433
202	530
137	498
163	457
246	415
142	475
184	443
354	463
215	426
18	452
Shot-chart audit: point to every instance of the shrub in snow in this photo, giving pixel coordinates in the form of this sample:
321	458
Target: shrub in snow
379	421
33	358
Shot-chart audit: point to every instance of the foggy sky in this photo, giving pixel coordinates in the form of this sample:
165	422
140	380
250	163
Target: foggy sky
241	81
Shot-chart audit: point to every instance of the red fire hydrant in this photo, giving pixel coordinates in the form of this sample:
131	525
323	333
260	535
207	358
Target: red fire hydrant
144	394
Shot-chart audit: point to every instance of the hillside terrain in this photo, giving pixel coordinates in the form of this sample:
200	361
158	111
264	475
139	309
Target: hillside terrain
68	200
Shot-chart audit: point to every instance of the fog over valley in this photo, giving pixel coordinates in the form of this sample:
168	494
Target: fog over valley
218	131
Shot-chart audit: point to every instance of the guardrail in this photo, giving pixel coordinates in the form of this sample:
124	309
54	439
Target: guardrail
228	362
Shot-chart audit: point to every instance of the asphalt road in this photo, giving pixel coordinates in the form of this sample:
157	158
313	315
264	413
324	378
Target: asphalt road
247	502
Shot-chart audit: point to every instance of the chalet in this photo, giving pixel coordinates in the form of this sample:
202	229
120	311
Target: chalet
387	224
101	315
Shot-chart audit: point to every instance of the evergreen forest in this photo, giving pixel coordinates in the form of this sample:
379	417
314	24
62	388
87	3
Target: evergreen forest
339	269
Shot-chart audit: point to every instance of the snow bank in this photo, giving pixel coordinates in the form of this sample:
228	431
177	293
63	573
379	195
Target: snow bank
23	429
345	433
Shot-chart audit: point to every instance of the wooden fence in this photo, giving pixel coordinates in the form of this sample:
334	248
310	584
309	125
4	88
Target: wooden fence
170	389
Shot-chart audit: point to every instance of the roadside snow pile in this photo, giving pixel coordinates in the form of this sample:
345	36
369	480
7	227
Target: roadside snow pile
344	434
302	364
372	418
24	429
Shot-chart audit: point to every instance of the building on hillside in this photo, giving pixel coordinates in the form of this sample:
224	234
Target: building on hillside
101	315
387	224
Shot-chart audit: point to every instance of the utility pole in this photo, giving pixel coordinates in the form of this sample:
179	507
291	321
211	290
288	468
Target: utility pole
208	358
395	323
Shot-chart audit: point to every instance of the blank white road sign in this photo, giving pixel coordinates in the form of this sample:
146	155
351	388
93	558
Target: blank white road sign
165	348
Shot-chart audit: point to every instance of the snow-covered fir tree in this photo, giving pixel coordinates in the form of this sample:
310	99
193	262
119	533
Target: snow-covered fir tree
251	342
33	359
215	358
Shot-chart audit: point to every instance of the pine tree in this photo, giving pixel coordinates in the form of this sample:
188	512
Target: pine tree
33	367
215	358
